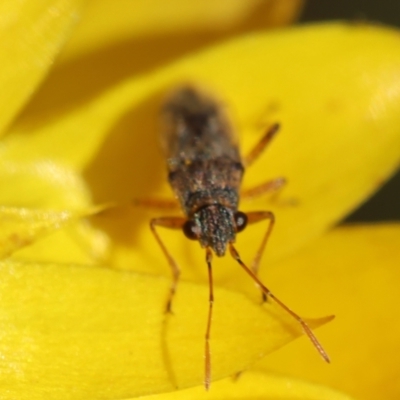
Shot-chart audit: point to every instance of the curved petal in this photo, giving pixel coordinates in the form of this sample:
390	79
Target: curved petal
340	131
73	332
22	227
352	272
255	385
31	33
105	23
115	41
19	227
31	178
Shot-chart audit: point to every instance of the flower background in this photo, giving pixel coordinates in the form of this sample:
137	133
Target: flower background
383	205
65	326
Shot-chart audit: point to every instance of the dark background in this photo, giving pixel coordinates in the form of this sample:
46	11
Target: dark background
385	204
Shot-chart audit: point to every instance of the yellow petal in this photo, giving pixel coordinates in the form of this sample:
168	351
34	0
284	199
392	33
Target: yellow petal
257	385
352	272
30	177
76	243
156	22
21	227
44	186
117	40
72	332
340	134
31	33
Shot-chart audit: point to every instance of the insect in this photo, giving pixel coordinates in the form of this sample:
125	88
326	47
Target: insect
205	171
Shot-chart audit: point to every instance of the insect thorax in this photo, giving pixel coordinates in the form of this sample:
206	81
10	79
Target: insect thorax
205	182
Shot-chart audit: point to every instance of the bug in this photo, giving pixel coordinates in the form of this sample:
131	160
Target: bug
205	171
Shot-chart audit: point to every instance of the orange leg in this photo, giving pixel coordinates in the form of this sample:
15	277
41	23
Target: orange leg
252	218
261	145
153	203
271	186
157	203
307	330
170	223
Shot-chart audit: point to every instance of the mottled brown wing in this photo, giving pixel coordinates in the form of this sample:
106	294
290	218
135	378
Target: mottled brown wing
195	126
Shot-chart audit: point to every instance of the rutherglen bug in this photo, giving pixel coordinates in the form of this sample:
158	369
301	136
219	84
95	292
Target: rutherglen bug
205	170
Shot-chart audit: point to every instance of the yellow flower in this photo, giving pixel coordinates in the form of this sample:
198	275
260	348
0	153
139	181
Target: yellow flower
71	329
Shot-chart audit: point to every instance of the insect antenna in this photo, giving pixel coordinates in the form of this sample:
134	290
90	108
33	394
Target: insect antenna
307	330
207	378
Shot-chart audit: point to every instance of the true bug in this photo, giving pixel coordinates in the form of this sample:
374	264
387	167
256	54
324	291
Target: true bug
205	171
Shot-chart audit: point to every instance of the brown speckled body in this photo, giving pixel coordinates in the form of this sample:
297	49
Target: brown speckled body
204	164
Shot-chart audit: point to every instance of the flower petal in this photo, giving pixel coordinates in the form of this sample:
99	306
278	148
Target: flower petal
257	385
353	272
21	227
71	332
106	23
30	177
31	33
340	132
115	41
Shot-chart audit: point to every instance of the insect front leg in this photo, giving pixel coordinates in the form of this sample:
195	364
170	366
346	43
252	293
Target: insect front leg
252	218
170	223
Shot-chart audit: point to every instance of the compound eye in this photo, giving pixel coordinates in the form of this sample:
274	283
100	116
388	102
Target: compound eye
240	221
191	230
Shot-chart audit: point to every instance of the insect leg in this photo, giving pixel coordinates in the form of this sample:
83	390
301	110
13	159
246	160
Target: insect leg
266	187
170	223
157	203
252	218
307	330
207	379
154	203
261	145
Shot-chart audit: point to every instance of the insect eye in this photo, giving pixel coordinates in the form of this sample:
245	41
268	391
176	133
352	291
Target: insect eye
240	221
191	230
